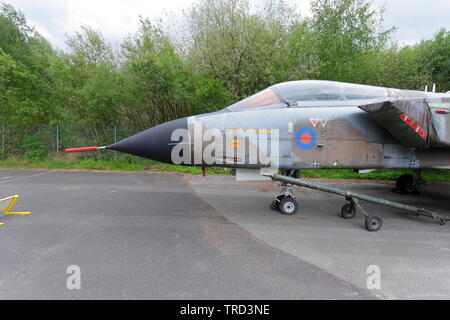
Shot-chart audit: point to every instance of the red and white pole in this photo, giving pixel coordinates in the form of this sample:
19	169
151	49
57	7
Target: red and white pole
84	149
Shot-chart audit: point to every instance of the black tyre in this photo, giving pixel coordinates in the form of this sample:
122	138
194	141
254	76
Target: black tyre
374	223
288	206
348	211
275	206
406	185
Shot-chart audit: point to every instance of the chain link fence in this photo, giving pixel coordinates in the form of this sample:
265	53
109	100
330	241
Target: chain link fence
39	141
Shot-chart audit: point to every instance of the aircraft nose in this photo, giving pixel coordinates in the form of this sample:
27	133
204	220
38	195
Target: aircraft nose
154	143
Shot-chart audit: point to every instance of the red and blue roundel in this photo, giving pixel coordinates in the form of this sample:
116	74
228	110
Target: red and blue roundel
306	138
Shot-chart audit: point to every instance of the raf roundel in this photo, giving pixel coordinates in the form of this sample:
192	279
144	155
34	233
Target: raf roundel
306	138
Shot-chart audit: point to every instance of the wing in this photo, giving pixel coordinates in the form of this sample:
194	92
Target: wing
410	121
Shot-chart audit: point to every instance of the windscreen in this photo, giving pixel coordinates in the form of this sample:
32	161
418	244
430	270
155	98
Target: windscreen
261	99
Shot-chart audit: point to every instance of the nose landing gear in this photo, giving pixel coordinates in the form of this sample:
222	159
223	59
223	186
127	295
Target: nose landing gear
285	202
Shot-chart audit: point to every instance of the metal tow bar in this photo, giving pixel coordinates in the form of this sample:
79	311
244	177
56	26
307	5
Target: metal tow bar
373	222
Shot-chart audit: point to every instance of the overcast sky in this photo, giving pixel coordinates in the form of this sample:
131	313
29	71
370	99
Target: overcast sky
415	19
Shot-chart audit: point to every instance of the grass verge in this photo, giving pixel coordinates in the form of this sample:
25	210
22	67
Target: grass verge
129	163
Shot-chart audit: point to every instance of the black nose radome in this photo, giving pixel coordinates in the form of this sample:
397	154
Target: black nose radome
154	143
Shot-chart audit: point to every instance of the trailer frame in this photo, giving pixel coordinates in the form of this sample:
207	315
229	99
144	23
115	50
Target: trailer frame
373	222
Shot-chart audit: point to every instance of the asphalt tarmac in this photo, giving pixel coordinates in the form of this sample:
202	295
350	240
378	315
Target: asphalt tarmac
412	254
171	236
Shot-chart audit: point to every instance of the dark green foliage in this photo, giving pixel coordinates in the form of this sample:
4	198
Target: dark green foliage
346	32
223	51
435	56
35	148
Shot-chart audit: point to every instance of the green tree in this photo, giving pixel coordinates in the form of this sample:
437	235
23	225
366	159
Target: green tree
88	80
158	85
26	58
297	58
155	78
436	56
15	35
229	50
346	33
237	45
15	84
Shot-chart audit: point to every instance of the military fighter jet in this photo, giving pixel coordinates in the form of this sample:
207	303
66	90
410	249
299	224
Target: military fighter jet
309	124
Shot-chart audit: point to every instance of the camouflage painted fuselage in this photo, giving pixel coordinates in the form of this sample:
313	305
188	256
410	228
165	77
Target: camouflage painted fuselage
346	138
318	125
338	134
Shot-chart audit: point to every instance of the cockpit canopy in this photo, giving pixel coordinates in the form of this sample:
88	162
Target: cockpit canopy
300	91
310	91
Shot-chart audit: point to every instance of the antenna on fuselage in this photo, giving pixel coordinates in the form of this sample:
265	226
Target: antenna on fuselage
434	87
426	88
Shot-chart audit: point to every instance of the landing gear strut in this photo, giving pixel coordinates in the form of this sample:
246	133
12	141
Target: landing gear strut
285	202
410	183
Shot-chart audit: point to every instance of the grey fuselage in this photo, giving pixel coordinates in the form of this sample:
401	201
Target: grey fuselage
347	138
314	134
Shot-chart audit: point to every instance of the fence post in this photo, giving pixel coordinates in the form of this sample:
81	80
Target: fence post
3	141
115	141
57	138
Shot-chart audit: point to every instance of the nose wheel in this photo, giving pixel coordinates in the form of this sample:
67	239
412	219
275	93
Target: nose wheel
287	206
285	202
275	205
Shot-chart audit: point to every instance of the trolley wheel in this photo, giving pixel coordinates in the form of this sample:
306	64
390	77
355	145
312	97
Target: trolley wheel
288	206
374	223
275	205
348	211
406	185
